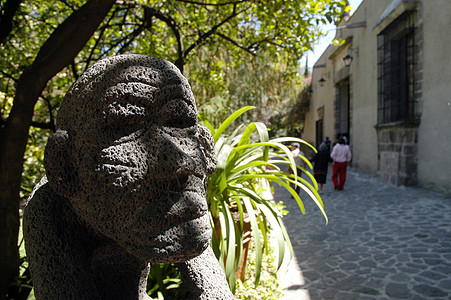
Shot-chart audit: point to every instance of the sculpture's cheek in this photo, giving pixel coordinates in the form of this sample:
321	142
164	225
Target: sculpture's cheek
169	208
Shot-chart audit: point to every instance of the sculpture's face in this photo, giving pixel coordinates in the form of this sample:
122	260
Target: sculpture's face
142	164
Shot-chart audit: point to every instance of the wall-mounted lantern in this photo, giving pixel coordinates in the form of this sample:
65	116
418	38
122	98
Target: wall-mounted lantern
321	81
348	60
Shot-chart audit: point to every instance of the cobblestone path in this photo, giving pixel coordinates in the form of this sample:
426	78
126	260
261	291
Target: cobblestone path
382	242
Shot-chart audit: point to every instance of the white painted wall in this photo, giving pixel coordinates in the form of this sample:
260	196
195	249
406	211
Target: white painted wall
364	86
323	96
434	136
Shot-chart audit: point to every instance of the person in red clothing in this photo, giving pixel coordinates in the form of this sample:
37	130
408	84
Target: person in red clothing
341	154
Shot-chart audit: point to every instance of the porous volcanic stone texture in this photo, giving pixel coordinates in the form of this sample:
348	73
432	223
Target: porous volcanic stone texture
126	174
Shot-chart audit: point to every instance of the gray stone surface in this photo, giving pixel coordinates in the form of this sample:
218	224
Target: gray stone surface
382	242
126	174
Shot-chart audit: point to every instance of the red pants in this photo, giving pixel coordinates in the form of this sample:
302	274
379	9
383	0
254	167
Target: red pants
339	174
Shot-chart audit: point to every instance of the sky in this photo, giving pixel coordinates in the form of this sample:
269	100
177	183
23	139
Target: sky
326	40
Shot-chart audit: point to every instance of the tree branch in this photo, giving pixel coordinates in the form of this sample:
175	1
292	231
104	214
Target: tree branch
115	45
6	19
57	52
73	67
124	19
132	36
102	32
68	5
209	33
8	76
266	40
236	43
52	119
41	125
213	4
150	12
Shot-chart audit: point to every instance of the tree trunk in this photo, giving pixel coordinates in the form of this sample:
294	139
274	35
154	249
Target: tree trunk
57	52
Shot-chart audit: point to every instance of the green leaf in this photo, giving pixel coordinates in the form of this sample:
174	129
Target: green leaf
222	183
264	137
275	224
244	161
293	139
223	156
214	239
229	121
258	247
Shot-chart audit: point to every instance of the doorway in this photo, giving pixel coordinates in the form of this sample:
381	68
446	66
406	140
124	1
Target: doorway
342	109
319	132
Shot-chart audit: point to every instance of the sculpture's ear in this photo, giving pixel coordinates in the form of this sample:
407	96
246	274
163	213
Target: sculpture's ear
59	164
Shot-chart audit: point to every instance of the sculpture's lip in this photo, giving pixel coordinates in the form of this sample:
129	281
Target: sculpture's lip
114	164
202	217
174	244
190	206
177	184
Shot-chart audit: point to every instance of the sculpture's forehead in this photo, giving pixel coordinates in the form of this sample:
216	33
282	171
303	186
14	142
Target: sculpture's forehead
129	77
143	85
156	78
108	72
146	73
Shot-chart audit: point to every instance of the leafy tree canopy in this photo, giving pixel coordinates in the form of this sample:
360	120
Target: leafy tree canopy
236	50
205	38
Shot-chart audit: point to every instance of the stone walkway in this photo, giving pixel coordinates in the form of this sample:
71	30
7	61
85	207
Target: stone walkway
382	242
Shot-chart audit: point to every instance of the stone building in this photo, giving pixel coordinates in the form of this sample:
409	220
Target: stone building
387	87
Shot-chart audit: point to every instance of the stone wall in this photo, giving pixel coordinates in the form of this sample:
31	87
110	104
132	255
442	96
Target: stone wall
397	154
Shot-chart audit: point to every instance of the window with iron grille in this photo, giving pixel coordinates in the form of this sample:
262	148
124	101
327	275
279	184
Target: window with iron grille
396	63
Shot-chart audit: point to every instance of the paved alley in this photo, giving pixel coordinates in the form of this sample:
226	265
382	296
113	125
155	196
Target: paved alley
382	242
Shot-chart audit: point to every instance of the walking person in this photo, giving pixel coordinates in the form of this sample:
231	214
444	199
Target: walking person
296	152
321	162
341	154
327	143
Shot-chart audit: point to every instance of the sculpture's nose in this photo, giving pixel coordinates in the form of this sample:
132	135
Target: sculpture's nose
183	163
170	156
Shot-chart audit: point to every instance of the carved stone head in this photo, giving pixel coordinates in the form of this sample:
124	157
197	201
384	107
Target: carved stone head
131	158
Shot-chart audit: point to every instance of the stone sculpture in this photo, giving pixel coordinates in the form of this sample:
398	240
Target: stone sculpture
124	187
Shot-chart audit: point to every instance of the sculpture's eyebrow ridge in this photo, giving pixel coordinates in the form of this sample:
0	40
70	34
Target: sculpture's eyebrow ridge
178	91
139	91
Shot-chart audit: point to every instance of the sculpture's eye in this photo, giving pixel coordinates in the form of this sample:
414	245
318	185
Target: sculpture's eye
127	105
177	113
174	123
124	110
179	122
123	119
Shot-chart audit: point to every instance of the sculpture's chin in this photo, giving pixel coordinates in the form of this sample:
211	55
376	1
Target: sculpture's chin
174	244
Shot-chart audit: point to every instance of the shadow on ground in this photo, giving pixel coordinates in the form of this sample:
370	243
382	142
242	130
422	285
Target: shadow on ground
382	242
